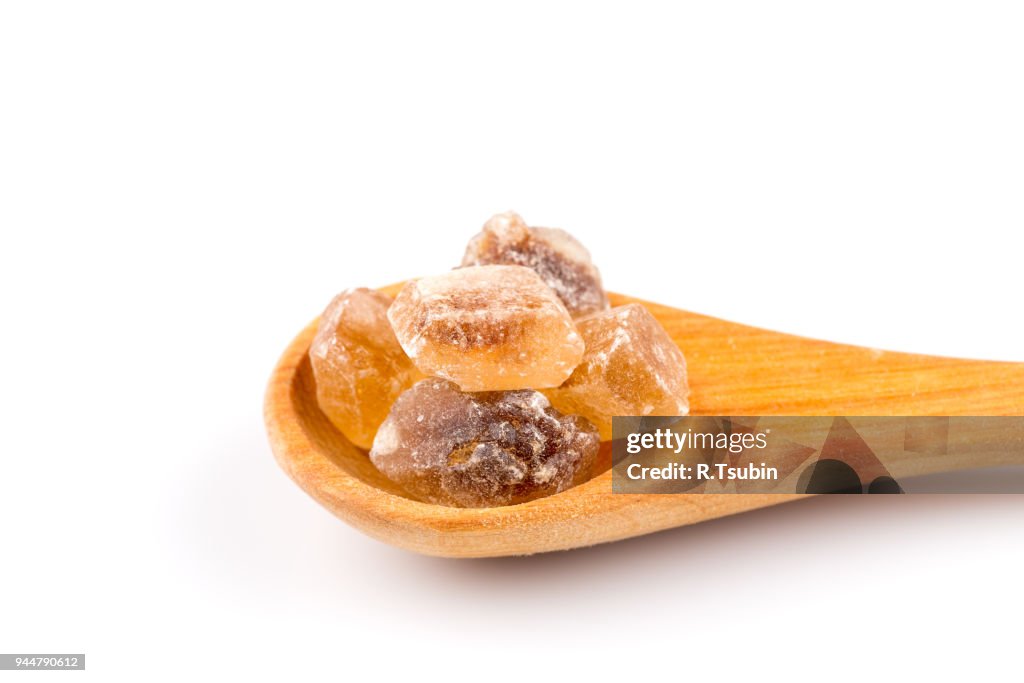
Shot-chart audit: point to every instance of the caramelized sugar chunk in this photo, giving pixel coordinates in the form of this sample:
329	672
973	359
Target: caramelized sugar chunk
487	328
560	260
483	449
631	367
359	366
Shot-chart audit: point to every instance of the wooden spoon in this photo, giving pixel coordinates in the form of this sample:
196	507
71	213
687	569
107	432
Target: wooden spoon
734	370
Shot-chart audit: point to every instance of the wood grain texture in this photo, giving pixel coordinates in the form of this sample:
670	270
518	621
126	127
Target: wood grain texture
734	370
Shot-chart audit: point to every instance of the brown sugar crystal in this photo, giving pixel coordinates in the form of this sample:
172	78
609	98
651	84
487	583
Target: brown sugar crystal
560	260
481	449
487	328
631	367
358	364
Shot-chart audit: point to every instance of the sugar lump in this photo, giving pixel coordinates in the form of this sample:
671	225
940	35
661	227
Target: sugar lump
482	449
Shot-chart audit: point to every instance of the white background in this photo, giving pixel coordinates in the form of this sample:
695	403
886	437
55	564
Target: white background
184	185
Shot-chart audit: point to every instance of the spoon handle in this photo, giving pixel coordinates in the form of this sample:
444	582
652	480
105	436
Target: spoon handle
942	444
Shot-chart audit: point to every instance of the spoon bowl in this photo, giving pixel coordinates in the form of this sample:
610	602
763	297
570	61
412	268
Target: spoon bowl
733	369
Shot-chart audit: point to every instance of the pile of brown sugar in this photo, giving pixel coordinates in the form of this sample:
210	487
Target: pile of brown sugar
494	383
